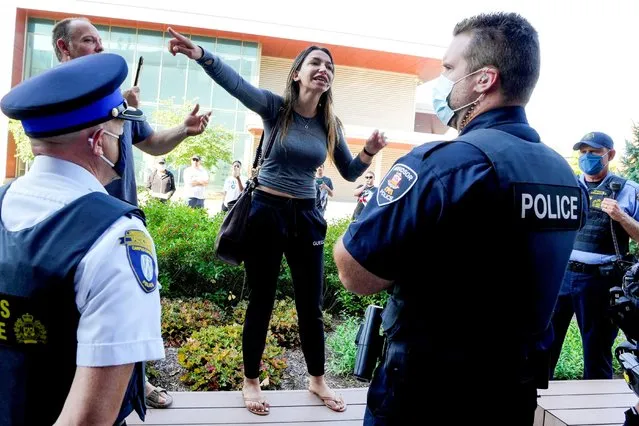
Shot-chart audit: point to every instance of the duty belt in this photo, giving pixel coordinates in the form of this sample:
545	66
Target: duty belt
585	268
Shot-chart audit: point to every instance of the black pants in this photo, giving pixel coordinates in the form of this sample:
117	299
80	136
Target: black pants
196	203
407	387
295	228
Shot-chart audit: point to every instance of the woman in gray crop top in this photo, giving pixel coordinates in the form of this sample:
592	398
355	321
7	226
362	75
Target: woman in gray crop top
284	219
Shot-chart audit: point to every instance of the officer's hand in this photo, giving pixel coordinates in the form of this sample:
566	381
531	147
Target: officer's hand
196	124
132	96
611	207
181	44
376	142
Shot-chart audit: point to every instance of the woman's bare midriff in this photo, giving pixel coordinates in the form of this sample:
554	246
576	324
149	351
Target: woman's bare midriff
273	191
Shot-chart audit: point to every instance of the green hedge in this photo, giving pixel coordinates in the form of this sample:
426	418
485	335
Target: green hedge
184	240
212	358
342	347
570	365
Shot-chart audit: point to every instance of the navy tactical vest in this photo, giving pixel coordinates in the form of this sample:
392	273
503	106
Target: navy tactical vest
492	266
38	313
596	235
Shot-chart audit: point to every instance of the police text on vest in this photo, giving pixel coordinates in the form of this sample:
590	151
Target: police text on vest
542	205
547	207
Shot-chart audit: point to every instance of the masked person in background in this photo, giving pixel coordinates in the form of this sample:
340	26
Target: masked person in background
591	270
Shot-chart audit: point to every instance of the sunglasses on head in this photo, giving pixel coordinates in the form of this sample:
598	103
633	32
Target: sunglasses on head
369	177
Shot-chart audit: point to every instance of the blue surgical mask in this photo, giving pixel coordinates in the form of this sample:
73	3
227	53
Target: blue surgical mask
441	92
590	163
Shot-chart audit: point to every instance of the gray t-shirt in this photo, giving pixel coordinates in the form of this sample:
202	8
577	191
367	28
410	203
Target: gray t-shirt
292	162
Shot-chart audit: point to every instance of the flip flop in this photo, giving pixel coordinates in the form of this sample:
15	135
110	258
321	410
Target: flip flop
337	400
265	405
153	398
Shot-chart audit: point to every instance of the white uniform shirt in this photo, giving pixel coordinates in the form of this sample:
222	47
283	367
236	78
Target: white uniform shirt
232	189
191	174
119	322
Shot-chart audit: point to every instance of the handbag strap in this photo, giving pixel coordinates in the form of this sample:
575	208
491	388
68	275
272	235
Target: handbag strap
259	158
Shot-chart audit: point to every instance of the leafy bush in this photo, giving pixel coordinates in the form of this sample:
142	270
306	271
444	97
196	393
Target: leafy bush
354	305
336	297
213	360
342	348
283	323
571	361
182	317
184	240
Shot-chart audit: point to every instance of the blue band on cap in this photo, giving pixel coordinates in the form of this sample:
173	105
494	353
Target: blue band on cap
87	114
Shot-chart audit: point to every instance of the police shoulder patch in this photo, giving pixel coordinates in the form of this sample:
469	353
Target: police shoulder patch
397	182
139	250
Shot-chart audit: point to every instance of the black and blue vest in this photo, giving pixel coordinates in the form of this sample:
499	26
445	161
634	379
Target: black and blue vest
596	235
38	314
493	265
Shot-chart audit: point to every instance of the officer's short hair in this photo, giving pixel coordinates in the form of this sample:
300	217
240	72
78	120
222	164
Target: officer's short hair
62	30
508	42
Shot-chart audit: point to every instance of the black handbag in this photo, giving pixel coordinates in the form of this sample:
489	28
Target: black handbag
230	243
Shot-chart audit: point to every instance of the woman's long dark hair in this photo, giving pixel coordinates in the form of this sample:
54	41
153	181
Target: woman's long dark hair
291	95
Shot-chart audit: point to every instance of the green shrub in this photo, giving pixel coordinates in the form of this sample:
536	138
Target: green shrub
336	298
283	324
571	361
342	348
182	317
213	360
184	240
353	305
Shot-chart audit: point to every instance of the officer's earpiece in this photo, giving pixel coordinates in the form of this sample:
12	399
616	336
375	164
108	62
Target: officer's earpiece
483	79
91	142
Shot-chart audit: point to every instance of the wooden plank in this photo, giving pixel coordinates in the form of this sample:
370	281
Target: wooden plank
230	399
220	416
609	400
550	420
590	417
539	416
582	387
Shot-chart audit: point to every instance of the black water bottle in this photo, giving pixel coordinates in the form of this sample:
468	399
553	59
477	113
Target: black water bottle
369	343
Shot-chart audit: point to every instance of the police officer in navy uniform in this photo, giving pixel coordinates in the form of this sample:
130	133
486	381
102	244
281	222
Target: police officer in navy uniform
591	272
79	304
471	238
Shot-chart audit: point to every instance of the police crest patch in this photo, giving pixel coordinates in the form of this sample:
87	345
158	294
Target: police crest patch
396	184
139	250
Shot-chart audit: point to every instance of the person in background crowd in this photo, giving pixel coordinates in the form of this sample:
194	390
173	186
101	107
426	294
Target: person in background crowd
233	186
196	179
364	193
161	182
324	189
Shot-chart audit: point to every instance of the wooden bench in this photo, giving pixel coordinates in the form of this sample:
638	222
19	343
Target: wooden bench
288	408
564	403
584	402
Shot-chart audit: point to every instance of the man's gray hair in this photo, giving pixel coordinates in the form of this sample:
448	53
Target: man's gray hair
62	30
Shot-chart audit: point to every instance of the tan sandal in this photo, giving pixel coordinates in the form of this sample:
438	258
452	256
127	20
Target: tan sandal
337	400
265	405
153	398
